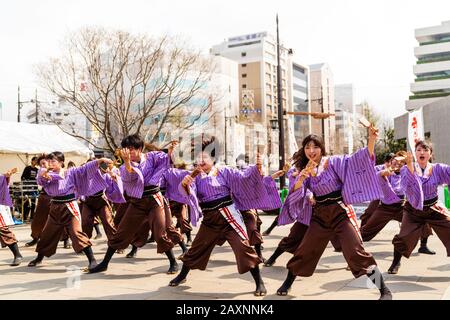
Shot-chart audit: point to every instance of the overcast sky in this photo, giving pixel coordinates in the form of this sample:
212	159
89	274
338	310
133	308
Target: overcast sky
367	43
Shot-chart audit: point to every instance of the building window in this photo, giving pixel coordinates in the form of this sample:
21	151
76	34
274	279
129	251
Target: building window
243	54
244	86
244	75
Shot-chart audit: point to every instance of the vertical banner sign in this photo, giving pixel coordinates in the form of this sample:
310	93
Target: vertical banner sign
415	128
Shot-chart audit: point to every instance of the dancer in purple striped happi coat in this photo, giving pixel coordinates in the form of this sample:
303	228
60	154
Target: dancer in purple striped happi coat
300	215
170	179
391	204
374	203
7	237
336	182
178	209
251	217
64	213
420	182
141	176
221	192
99	204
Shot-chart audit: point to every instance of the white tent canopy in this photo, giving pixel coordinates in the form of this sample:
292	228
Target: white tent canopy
20	141
18	137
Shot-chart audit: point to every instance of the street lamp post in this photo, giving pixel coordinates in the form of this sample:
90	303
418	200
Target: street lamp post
280	113
36	106
19	104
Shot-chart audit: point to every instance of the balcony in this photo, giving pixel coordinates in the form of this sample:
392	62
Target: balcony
434	42
431	67
436	59
438	48
429	95
430	86
420	79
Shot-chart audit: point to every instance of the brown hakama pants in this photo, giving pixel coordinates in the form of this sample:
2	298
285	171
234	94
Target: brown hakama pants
140	212
144	230
382	216
97	207
215	229
61	218
40	215
295	237
412	228
121	208
373	205
180	212
328	221
172	232
7	237
253	224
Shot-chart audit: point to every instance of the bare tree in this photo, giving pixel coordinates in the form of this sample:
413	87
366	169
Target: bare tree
125	83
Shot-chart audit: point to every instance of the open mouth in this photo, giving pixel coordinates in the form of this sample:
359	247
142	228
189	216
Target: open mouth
422	158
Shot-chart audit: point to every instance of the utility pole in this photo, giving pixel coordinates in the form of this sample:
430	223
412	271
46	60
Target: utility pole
225	132
18	103
280	112
322	110
37	107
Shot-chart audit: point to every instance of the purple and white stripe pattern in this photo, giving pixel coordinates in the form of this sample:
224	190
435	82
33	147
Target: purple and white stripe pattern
390	188
147	172
296	207
85	180
5	198
171	180
353	174
419	188
357	174
291	177
245	187
273	200
114	189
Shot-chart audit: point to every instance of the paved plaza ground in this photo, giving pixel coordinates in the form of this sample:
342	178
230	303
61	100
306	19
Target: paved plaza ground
421	277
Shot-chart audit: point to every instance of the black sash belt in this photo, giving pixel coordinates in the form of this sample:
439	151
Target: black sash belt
216	204
329	198
97	195
149	190
64	199
430	203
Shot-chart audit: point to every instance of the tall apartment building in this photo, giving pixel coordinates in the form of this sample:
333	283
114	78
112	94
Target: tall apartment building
256	56
322	100
431	89
301	103
432	70
345	118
